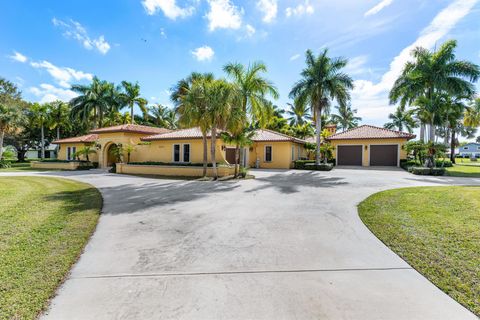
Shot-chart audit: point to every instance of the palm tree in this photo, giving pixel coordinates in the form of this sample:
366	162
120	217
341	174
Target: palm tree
322	81
432	73
163	116
85	151
39	115
346	117
9	116
298	113
95	99
252	86
131	97
189	97
58	113
220	98
472	114
401	119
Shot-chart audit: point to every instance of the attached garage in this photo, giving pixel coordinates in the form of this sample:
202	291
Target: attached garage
349	155
369	146
384	155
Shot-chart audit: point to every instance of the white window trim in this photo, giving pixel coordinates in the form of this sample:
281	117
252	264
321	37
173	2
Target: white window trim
265	153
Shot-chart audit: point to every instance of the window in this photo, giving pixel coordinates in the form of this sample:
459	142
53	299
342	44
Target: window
268	153
478	148
74	150
176	153
69	153
465	148
293	153
186	153
299	152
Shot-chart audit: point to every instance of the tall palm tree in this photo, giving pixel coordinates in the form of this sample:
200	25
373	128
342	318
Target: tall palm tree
401	119
434	72
322	81
163	116
39	115
58	113
252	86
189	97
298	113
346	118
472	114
131	97
220	97
94	100
9	116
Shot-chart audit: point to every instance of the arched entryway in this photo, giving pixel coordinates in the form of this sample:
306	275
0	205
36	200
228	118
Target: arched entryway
109	157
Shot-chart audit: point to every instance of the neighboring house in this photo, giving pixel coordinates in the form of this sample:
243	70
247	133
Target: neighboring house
370	146
270	149
50	152
470	150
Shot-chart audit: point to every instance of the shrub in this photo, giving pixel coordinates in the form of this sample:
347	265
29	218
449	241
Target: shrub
179	164
95	165
302	164
319	167
5	164
425	171
243	172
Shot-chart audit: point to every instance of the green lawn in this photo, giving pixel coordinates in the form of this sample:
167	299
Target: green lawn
44	226
437	231
23	166
463	170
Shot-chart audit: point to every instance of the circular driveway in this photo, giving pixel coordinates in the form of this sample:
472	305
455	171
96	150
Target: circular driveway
286	245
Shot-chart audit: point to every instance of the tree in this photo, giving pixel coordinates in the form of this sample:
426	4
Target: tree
298	113
401	119
346	118
9	115
58	114
322	81
129	149
472	114
39	115
432	73
189	97
163	116
94	100
85	151
253	88
220	97
131	97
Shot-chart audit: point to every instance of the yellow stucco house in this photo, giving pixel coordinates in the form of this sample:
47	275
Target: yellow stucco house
270	149
368	145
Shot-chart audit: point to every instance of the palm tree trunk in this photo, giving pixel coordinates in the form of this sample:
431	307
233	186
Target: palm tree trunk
237	159
94	118
431	137
212	152
43	141
422	132
2	136
318	124
447	136
205	153
452	147
131	113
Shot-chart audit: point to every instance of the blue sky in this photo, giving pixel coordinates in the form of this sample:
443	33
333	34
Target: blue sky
47	45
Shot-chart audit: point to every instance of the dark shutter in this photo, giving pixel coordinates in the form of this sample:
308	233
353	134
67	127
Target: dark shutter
268	153
186	153
176	153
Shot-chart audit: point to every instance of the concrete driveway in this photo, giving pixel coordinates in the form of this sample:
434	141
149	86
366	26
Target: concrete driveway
287	245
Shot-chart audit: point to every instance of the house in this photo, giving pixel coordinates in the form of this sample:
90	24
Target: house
270	149
368	145
36	153
470	150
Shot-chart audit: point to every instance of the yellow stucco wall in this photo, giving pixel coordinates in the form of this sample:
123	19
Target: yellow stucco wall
281	154
368	142
62	153
222	171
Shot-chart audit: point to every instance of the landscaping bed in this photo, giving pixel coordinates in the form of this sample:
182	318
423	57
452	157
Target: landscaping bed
437	231
44	226
310	165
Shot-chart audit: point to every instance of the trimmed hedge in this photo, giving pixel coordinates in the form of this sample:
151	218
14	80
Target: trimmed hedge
178	164
4	164
301	164
425	171
319	167
405	164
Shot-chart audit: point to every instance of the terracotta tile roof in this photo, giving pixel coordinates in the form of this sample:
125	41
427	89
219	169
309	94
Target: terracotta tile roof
135	128
81	139
264	135
370	132
190	133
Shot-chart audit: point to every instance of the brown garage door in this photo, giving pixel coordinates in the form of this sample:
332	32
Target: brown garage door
383	155
349	156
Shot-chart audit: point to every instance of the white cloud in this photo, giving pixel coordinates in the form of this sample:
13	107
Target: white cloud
295	57
204	53
48	93
356	65
169	8
63	75
163	34
269	9
17	56
300	10
223	14
250	30
379	7
75	30
372	98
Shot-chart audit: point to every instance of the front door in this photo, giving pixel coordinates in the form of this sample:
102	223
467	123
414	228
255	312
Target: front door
230	155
